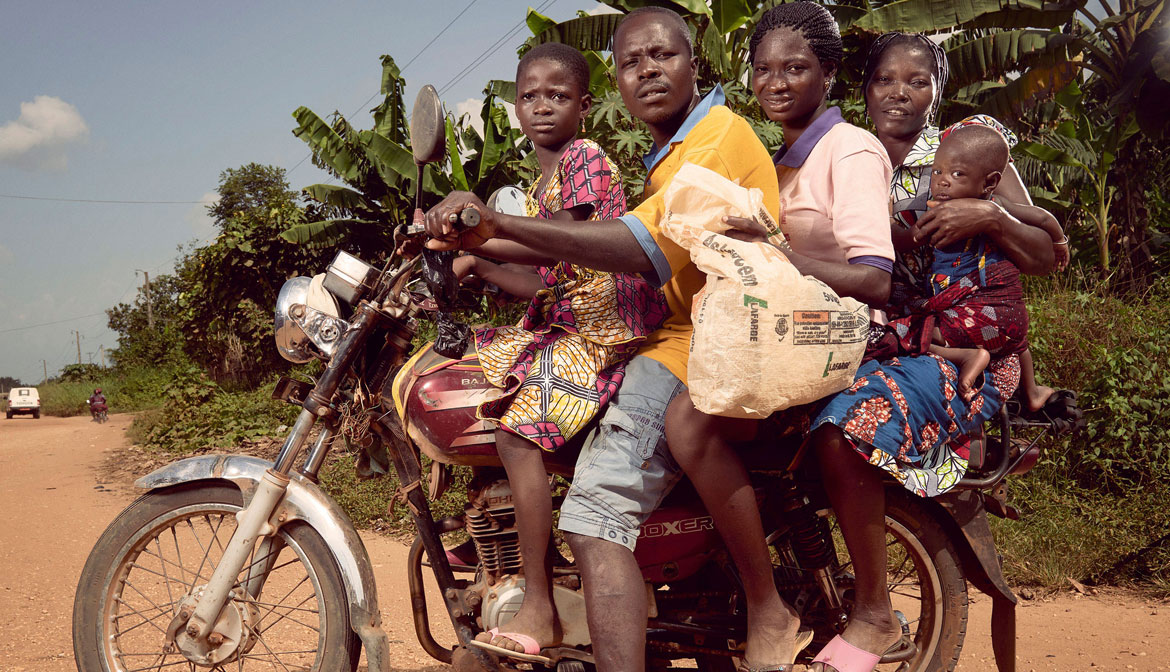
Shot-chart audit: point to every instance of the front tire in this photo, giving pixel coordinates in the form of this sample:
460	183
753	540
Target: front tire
163	547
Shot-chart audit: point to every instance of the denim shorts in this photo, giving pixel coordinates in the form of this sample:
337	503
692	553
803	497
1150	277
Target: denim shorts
625	468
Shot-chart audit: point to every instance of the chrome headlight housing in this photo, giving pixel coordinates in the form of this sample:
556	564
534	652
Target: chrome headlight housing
307	320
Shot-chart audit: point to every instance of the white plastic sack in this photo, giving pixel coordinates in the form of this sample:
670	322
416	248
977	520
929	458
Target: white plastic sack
766	337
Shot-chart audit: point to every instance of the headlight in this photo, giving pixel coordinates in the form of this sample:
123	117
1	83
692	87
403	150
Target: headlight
307	322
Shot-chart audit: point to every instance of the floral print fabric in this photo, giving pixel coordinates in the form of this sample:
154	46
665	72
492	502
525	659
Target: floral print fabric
566	358
903	414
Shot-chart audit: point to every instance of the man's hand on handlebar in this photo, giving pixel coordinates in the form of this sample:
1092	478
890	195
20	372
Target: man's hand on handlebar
443	223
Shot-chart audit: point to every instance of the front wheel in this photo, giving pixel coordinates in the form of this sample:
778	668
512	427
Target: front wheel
152	562
925	582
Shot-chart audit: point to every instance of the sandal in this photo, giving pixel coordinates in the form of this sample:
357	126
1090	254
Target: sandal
841	656
530	654
803	639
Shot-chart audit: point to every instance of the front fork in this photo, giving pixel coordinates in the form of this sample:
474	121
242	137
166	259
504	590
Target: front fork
254	524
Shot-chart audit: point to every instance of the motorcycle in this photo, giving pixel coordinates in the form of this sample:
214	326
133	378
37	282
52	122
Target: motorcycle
99	412
233	562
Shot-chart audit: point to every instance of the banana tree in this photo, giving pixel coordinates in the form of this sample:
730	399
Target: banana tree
377	171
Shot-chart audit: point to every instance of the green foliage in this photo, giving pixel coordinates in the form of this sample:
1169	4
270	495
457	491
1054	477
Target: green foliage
1117	356
140	344
1099	496
227	290
127	390
198	415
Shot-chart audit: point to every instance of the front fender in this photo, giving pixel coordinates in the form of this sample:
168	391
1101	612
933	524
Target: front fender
305	501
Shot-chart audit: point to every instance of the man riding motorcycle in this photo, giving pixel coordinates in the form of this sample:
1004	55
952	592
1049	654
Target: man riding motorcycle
97	403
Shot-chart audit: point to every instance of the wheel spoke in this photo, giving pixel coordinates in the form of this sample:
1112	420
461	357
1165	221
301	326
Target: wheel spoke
169	557
156	607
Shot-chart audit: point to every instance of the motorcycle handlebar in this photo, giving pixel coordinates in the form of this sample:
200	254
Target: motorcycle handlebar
468	218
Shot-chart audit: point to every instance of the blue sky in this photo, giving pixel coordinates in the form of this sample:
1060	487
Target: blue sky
150	101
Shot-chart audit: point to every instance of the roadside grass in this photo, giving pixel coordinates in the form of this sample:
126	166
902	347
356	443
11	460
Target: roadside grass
125	391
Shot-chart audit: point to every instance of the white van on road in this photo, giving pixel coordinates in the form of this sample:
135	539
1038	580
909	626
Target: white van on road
23	401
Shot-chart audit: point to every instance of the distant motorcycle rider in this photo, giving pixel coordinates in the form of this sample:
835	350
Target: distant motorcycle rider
97	402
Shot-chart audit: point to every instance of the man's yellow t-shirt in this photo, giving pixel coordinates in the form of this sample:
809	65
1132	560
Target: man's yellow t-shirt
716	138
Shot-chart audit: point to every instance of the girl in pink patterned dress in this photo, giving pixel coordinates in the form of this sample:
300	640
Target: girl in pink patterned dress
566	358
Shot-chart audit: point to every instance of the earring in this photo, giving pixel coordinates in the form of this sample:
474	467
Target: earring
582	125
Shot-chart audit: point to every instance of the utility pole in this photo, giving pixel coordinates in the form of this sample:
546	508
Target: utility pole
102	352
149	310
78	333
45	365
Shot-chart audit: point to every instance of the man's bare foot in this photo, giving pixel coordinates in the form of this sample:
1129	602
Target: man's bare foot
875	637
772	636
545	628
1038	396
971	363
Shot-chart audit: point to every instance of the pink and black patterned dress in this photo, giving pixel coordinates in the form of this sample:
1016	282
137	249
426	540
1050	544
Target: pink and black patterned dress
566	358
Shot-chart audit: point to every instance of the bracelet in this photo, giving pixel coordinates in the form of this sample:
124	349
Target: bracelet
1062	242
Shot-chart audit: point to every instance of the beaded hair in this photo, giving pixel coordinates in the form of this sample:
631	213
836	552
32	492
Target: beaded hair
807	18
669	16
936	52
562	54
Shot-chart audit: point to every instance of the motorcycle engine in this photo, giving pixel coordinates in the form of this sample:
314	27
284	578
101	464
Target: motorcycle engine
502	601
491	521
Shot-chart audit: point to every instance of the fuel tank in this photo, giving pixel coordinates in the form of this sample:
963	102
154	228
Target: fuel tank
437	398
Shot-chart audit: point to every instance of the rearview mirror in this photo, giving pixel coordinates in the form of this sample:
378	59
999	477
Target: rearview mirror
427	130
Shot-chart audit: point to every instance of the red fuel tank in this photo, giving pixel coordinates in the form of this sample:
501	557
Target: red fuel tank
437	399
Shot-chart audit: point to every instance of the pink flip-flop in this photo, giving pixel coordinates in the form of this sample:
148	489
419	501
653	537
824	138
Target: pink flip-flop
842	656
531	651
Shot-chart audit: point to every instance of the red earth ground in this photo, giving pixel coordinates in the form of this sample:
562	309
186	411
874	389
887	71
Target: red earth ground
62	480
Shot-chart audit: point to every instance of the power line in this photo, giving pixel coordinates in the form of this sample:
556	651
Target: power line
94	200
400	70
46	324
496	46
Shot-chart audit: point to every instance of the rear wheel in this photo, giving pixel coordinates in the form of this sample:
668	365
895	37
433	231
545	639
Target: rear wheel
36	415
925	582
152	562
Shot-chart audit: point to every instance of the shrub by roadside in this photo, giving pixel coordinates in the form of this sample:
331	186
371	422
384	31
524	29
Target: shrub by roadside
125	391
1094	508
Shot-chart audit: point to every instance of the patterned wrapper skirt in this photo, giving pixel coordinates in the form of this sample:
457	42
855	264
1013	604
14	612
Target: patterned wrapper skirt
904	415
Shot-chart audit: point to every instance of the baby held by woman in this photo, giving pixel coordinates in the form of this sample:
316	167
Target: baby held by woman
976	307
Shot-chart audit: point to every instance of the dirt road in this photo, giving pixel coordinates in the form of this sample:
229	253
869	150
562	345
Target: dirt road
57	501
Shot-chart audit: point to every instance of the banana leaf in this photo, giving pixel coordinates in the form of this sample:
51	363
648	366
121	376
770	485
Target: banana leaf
390	115
537	22
1016	97
327	232
585	33
327	146
394	163
714	50
502	89
340	197
934	16
997	54
458	177
727	15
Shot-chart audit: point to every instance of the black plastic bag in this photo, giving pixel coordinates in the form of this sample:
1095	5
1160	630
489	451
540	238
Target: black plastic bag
453	336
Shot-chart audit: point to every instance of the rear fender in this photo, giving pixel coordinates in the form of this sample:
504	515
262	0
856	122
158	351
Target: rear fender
305	501
964	517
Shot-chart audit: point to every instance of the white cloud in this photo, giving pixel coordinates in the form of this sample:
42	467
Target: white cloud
603	9
40	139
474	108
201	223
